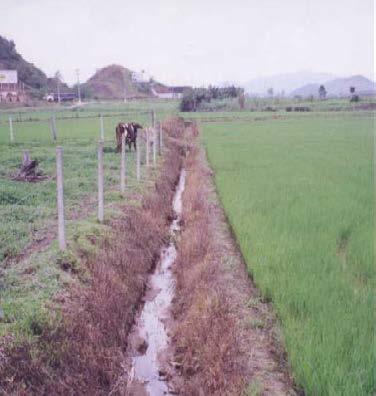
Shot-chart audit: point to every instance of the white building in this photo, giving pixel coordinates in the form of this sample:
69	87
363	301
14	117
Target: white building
10	89
163	92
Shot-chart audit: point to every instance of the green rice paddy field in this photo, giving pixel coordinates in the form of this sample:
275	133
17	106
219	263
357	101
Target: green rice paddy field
299	194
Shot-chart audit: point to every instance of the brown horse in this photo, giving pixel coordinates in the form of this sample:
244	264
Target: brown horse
130	131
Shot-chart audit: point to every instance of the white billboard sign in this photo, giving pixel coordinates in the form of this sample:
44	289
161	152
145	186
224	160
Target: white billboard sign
8	77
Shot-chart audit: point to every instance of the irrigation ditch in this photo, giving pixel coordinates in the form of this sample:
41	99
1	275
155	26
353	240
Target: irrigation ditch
164	307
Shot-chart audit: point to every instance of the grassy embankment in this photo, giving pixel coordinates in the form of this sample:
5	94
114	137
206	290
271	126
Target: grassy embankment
299	194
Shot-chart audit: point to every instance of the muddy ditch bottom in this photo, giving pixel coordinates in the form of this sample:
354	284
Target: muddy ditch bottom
149	338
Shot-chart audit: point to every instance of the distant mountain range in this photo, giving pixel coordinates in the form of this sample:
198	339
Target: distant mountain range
338	87
284	83
307	83
112	82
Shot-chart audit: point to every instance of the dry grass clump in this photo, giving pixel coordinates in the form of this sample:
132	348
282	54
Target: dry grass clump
174	127
81	350
205	335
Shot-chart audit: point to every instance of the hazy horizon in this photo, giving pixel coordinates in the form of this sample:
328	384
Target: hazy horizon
193	42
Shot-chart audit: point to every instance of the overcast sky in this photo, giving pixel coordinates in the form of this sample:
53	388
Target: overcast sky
193	41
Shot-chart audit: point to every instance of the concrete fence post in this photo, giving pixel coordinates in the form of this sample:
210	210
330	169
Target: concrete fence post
160	136
138	162
60	198
11	135
122	164
100	183
102	127
154	147
152	115
53	128
147	147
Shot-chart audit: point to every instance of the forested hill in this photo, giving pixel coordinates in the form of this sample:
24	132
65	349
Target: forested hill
27	72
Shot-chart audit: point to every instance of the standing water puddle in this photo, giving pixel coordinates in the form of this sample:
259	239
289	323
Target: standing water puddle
150	325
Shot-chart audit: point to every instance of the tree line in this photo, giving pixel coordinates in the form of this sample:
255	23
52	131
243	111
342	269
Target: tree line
194	98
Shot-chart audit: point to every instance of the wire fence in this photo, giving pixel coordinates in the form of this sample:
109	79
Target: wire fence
27	207
57	129
23	117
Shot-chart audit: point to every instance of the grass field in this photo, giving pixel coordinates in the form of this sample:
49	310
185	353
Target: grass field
88	109
26	207
299	194
28	210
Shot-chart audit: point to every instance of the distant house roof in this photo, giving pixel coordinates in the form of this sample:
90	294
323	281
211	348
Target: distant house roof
161	89
179	89
165	90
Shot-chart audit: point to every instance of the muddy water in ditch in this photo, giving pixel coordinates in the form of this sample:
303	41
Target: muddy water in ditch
151	324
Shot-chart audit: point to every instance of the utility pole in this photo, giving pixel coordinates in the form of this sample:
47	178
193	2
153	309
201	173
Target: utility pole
78	85
58	79
58	91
